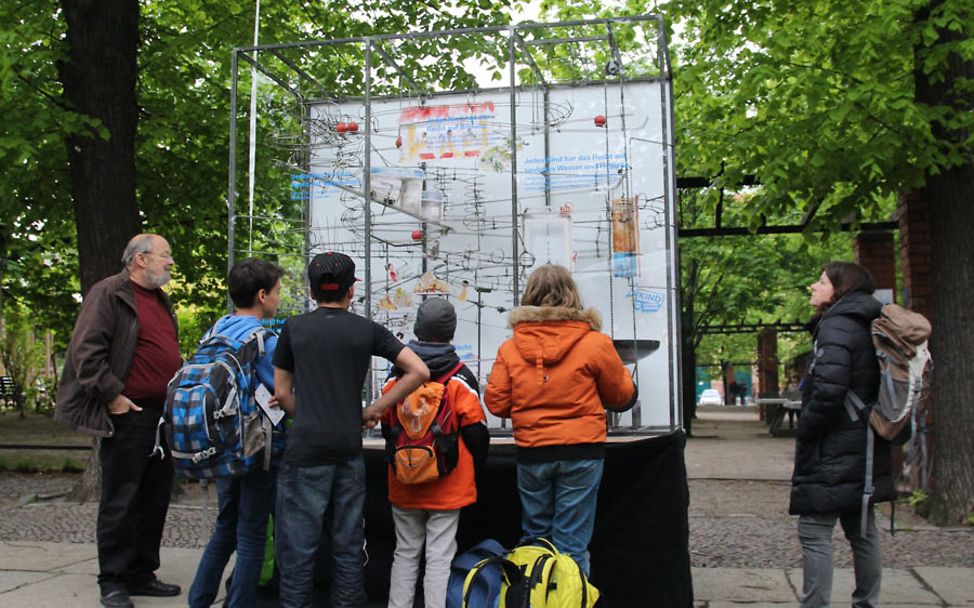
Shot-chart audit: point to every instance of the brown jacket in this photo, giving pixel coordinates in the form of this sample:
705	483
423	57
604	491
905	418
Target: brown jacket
555	377
99	356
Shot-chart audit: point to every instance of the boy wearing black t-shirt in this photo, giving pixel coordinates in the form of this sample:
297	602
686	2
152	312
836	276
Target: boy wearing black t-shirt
321	363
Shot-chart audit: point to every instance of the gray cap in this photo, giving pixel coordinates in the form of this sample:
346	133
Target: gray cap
436	321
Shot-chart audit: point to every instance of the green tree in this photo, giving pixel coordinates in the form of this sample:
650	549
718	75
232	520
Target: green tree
116	118
737	280
38	259
836	108
21	355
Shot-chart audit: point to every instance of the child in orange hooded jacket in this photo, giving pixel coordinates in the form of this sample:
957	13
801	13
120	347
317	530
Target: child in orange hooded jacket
553	379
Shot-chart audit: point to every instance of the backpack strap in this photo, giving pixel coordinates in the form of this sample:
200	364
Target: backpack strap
453	372
868	488
538	542
537	574
853	404
509	570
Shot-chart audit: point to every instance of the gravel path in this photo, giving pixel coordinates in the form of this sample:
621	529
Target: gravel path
733	523
745	524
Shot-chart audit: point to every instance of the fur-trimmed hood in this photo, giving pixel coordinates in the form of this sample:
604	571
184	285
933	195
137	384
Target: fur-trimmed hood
526	314
547	333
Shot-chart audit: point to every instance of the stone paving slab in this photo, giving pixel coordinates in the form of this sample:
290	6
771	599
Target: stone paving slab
898	585
776	605
742	584
58	575
719	604
11	579
955	585
75	590
42	556
89	567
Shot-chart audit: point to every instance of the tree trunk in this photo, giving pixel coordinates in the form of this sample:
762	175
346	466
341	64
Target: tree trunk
99	78
950	195
89	488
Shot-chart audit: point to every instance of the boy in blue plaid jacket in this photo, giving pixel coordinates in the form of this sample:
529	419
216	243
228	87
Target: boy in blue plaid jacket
244	502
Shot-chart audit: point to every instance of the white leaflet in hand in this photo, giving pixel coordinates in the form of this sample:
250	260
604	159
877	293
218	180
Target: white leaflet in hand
263	397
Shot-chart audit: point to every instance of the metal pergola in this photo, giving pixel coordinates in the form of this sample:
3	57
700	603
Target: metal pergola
533	57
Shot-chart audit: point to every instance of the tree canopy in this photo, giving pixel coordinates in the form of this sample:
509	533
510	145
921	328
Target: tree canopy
838	108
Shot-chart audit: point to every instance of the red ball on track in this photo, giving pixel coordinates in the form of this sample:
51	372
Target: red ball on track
600	121
417	235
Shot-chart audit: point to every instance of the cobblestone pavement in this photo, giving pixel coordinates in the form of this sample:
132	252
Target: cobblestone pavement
733	524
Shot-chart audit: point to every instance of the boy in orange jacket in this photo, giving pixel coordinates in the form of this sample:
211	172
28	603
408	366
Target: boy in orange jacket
429	513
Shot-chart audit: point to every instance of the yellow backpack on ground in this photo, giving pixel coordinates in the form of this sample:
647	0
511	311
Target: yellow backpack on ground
534	575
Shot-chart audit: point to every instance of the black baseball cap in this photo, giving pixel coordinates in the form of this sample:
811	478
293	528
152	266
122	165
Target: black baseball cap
331	271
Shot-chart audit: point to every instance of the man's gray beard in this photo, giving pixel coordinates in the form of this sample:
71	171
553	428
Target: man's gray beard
160	279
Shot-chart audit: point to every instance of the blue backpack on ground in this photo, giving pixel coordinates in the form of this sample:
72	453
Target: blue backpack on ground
485	592
213	423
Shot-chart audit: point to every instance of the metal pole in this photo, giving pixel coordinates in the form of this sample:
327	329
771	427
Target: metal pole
252	143
547	149
672	252
232	171
367	201
514	211
367	180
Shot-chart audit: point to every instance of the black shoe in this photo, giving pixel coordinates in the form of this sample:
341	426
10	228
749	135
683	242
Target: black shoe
154	588
116	598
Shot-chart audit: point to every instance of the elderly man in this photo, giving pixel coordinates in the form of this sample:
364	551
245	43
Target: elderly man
122	354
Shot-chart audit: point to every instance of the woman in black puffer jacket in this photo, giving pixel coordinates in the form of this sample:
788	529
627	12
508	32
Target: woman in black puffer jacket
830	456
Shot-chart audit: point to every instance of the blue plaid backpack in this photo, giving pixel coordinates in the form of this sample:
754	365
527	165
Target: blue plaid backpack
214	425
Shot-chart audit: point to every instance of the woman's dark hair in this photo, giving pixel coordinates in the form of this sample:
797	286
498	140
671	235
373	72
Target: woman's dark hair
847	277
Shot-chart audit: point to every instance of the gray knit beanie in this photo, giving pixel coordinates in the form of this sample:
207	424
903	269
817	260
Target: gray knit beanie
436	321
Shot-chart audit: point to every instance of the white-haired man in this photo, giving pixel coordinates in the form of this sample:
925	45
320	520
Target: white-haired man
123	352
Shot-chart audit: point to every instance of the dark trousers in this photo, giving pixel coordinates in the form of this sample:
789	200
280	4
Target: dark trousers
135	488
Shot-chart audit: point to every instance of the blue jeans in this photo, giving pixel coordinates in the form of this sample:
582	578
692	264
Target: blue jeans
303	496
245	502
558	502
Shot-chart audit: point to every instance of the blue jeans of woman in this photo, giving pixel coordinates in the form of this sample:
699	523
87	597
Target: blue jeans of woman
558	501
303	497
241	526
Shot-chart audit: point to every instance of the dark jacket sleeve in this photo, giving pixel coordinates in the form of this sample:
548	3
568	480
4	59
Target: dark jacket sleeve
90	344
477	439
830	379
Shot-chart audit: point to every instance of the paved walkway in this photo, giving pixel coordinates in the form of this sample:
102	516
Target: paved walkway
735	471
62	575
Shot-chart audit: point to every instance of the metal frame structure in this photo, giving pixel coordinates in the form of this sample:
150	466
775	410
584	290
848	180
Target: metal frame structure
523	42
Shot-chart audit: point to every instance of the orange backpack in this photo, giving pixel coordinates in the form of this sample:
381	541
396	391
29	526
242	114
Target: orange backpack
422	441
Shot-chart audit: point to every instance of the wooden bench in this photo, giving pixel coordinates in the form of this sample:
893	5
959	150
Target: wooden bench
8	392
